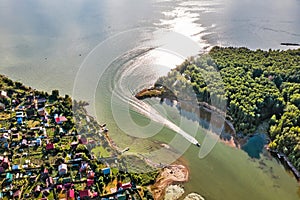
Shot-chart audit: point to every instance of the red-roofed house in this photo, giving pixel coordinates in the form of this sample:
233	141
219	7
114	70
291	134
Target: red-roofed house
126	185
89	182
60	119
71	194
90	175
49	146
84	193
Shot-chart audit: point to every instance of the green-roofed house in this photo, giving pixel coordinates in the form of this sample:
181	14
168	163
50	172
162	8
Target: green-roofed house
9	177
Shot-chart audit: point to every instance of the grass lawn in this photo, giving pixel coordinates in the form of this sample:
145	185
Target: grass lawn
100	150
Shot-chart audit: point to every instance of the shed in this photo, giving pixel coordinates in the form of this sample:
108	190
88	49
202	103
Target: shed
60	119
15	167
84	193
62	169
19	120
106	171
49	146
17	194
89	182
9	177
71	194
91	175
126	185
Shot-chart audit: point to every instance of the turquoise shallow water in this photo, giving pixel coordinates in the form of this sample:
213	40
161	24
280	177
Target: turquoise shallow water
225	173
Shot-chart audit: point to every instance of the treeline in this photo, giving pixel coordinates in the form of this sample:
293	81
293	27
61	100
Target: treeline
254	86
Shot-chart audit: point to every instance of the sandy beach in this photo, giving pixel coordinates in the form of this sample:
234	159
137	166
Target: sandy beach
169	175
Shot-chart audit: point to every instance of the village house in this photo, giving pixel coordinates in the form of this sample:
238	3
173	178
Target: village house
62	169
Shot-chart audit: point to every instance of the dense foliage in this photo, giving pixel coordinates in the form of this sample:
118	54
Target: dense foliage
256	85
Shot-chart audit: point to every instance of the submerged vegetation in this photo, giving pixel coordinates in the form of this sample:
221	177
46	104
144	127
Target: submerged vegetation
255	86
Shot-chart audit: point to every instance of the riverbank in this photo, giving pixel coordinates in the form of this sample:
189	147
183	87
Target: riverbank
231	139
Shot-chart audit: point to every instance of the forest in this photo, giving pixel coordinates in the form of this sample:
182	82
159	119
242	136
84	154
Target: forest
251	86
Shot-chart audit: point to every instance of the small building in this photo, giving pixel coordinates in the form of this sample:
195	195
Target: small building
60	119
9	177
89	182
49	146
17	194
38	142
3	94
126	185
20	120
20	114
84	193
90	175
15	167
5	163
62	169
71	194
106	171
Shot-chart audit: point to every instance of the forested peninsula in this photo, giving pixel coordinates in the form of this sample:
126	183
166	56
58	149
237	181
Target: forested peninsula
256	86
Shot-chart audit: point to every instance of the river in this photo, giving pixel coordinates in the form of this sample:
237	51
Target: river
105	51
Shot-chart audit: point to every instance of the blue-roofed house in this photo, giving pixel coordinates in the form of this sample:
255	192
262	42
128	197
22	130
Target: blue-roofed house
19	120
38	142
15	167
106	171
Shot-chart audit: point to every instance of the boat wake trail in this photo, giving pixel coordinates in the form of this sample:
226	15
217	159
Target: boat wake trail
132	72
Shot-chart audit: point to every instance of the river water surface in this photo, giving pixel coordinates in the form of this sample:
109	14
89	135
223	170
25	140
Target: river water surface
48	45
